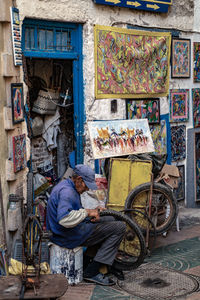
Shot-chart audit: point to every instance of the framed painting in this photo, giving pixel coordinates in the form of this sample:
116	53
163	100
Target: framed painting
17	100
159	136
120	137
180	58
179	105
193	198
197	166
19	152
196	107
131	63
144	109
179	192
196	58
178	142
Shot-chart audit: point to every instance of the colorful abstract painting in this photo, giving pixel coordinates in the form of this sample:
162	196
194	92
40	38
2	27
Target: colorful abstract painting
117	138
180	58
17	102
196	57
178	142
144	109
196	107
159	136
19	152
179	192
131	63
197	165
179	105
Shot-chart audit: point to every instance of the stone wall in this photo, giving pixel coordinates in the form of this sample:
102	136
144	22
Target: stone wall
8	74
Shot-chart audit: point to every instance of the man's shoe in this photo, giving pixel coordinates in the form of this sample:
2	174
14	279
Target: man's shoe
100	279
117	273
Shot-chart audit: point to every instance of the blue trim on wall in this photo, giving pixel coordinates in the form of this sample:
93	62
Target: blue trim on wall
52	24
169	154
174	32
74	54
42	54
80	95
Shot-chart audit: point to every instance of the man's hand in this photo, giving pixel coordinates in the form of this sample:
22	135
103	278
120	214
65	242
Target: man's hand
93	214
101	208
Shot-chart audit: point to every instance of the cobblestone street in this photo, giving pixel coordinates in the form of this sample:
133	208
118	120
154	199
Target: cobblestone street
179	250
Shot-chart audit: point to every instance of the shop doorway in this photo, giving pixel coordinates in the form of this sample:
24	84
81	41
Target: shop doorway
53	58
50	84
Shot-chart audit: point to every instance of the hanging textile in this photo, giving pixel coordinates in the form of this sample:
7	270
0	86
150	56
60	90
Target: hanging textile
131	63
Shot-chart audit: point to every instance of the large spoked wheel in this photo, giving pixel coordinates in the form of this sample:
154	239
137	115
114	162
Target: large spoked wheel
164	208
132	250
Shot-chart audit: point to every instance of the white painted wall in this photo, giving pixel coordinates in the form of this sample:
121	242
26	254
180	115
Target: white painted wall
183	15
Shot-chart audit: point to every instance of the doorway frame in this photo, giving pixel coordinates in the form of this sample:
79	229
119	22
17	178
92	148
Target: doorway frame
76	55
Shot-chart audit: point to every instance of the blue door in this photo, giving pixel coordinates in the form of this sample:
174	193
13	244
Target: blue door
54	40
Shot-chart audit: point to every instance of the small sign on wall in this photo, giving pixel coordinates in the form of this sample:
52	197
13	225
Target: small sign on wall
150	5
16	36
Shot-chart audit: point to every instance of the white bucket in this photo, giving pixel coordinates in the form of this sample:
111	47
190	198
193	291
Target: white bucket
68	262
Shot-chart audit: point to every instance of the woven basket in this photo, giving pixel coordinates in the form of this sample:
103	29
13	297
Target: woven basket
46	102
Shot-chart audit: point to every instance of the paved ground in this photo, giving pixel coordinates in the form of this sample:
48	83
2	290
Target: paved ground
178	251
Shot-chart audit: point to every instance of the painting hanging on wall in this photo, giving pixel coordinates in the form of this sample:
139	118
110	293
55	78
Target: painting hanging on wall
178	142
179	105
196	58
17	102
179	192
197	165
180	58
16	36
196	107
144	109
121	137
159	136
131	63
19	152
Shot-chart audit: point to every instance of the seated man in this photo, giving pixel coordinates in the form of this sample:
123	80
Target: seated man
74	226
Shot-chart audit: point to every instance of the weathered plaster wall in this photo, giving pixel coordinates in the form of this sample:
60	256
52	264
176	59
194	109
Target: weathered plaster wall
182	15
196	15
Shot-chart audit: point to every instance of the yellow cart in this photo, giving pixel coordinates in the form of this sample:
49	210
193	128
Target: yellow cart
131	189
124	176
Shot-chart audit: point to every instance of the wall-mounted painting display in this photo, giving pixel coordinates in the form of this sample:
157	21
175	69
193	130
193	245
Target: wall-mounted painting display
144	109
16	36
121	137
131	63
179	105
19	152
159	136
196	58
196	107
17	102
178	142
179	192
180	58
197	165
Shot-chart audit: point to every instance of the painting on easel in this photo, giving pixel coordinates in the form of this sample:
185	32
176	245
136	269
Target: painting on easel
121	137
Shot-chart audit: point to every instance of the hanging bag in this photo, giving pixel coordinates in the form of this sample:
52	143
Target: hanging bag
45	103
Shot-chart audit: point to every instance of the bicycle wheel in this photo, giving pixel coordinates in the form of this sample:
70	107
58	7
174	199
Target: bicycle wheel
132	250
164	207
